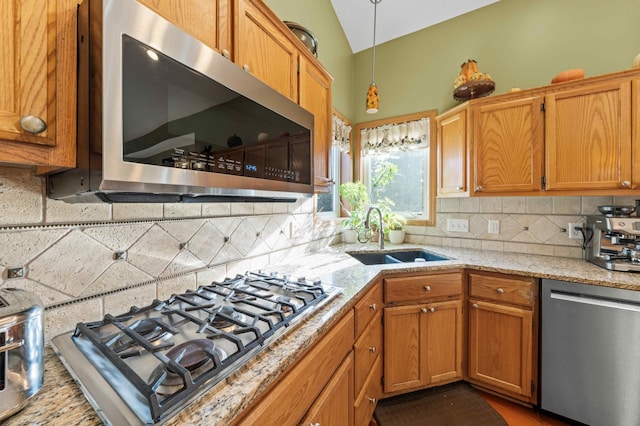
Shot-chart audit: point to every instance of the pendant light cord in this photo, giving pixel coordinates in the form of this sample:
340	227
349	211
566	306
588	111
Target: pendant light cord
373	58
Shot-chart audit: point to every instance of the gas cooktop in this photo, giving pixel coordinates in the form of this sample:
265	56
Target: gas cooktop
145	365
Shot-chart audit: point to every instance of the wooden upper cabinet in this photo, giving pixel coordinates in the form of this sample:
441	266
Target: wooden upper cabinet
452	153
315	97
38	68
208	21
264	49
508	146
588	137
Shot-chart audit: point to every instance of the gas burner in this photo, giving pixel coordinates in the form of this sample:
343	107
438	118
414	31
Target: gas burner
196	356
221	320
149	329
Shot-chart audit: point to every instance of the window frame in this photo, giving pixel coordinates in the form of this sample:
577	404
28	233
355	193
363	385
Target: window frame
358	164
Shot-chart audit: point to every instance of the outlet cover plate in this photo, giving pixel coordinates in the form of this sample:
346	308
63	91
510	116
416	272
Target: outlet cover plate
575	234
494	226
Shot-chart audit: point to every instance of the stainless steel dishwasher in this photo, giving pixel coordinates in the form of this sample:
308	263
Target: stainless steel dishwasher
590	366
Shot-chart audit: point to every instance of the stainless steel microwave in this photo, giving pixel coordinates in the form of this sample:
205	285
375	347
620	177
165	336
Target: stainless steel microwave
164	118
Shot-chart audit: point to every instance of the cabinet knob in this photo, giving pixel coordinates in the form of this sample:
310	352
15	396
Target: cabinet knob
33	124
499	290
478	188
314	424
626	184
432	309
372	400
372	349
423	310
474	306
427	287
373	306
459	188
226	53
246	67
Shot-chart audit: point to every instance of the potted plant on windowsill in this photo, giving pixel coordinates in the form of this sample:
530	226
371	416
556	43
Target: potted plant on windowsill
394	223
357	199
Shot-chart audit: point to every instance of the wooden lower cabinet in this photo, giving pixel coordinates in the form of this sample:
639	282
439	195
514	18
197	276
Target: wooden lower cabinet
423	345
503	334
334	406
303	386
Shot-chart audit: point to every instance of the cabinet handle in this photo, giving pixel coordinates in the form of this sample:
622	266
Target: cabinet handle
372	349
474	306
499	290
33	124
423	310
372	400
226	53
427	287
432	309
373	306
478	188
246	67
626	184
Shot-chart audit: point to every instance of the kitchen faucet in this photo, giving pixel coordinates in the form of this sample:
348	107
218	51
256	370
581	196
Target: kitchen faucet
380	229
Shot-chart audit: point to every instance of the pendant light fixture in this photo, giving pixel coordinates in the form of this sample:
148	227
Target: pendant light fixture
372	93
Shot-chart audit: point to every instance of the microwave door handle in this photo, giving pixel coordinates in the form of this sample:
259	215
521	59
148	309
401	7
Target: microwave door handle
11	346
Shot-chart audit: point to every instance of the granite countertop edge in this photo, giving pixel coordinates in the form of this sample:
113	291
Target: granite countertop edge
60	401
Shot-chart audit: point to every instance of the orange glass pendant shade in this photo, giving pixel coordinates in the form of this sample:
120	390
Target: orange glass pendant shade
372	99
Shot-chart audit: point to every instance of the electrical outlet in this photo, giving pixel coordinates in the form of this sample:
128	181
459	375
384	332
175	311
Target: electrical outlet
458	225
574	233
494	227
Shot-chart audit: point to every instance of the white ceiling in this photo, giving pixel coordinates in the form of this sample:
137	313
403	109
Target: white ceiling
396	18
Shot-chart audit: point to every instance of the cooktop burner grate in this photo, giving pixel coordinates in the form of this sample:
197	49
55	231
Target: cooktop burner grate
157	358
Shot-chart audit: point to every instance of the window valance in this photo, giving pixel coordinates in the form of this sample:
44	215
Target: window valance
341	133
395	137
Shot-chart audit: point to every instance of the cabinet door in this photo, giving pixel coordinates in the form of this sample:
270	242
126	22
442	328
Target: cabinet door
588	138
205	20
38	68
404	352
334	405
315	97
452	154
444	341
263	49
508	140
501	347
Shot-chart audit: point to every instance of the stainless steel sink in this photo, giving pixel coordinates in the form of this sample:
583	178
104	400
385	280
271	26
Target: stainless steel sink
395	256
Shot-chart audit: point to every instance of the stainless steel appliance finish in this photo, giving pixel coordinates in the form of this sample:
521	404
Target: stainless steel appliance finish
164	118
144	366
21	349
590	371
613	242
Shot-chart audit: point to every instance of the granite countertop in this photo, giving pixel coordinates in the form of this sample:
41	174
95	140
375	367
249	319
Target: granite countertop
60	401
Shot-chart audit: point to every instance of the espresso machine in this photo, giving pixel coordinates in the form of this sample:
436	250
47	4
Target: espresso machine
612	240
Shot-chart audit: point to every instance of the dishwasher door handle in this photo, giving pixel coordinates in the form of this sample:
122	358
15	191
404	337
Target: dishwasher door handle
586	299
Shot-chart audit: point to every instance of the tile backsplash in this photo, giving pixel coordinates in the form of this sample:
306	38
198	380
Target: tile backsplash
85	260
535	225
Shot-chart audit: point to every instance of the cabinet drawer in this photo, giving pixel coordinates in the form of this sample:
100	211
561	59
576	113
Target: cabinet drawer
372	391
514	290
367	307
367	349
424	287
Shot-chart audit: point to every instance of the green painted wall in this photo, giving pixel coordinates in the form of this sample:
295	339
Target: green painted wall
334	52
521	43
